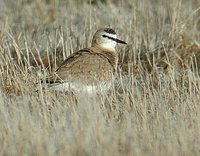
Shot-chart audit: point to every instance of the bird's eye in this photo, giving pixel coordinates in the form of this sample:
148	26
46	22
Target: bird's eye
104	36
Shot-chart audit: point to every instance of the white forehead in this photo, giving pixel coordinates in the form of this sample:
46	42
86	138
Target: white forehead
111	35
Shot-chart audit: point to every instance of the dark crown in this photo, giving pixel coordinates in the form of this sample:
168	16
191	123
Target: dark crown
110	31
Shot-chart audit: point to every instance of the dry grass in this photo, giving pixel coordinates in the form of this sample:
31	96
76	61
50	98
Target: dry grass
153	109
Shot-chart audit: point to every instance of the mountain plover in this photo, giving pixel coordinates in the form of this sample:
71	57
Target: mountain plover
91	69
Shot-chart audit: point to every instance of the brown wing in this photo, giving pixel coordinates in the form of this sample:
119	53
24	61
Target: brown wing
54	77
82	66
74	56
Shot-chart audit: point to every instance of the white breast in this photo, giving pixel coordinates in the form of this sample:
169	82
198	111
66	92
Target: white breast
77	88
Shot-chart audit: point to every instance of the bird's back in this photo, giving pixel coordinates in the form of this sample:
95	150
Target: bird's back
84	70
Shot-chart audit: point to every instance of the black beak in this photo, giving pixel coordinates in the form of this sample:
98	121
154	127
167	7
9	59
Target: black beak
115	39
120	41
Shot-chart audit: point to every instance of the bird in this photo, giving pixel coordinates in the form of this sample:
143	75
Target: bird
90	70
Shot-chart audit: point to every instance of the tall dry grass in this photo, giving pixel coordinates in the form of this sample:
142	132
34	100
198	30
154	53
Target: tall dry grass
153	108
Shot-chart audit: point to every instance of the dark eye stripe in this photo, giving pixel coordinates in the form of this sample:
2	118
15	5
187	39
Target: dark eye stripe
114	39
105	36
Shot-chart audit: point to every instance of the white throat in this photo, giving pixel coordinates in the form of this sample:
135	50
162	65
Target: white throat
109	45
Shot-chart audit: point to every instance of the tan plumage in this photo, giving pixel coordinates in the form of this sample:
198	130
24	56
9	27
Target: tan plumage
90	69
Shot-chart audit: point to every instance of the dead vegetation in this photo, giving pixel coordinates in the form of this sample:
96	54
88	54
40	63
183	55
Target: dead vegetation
153	109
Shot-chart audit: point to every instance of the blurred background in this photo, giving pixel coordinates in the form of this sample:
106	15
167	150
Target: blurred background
153	107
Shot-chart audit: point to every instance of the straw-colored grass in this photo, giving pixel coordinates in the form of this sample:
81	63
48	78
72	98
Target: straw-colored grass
154	106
